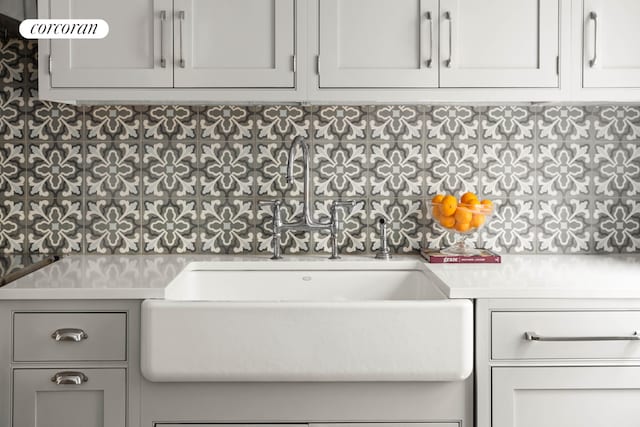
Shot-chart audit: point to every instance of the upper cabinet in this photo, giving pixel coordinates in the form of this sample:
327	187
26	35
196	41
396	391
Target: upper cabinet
499	43
611	31
445	43
378	43
354	51
136	54
234	43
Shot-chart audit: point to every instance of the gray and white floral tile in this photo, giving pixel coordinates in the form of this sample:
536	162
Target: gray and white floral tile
169	226
283	122
508	123
340	122
352	227
512	227
617	123
55	169
452	167
11	64
452	123
112	122
564	169
12	118
617	225
12	226
564	225
112	169
169	122
226	123
292	242
112	226
507	169
404	218
271	171
168	169
226	168
55	226
396	122
562	123
52	121
340	169
12	169
617	169
227	226
397	169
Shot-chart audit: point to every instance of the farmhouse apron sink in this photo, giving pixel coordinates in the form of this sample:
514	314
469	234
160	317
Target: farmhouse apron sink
306	321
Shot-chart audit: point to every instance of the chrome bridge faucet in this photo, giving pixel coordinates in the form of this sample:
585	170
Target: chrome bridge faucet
306	221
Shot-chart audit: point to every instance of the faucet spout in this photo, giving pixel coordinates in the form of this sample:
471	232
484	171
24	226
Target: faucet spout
306	207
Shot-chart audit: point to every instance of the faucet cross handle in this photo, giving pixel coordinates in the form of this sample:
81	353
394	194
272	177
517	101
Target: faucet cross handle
333	211
276	219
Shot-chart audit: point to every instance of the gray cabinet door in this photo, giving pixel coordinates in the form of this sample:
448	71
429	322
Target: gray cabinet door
499	43
234	43
129	56
99	401
611	31
378	43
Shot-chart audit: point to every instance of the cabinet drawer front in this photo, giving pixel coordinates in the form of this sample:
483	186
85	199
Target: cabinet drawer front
565	396
573	335
41	337
98	401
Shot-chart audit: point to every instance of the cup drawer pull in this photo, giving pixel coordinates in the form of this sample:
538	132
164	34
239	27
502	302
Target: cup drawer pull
532	336
69	378
69	334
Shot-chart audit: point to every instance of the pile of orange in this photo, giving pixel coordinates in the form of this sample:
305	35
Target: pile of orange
466	214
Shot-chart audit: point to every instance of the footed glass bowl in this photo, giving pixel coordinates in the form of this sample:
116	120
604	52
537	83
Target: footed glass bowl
461	221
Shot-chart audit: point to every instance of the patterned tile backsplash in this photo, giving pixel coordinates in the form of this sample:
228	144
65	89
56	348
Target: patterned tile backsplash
176	179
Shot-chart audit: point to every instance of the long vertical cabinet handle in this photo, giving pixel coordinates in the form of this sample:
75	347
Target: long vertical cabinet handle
594	17
429	61
163	58
449	62
181	18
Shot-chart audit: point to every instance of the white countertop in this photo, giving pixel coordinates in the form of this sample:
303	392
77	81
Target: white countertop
519	276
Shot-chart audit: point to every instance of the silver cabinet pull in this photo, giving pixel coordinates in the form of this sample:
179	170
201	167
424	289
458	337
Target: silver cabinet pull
449	62
594	17
163	58
69	334
532	336
430	59
69	378
181	18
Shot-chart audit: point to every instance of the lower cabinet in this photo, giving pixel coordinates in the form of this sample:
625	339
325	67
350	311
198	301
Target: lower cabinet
69	397
565	396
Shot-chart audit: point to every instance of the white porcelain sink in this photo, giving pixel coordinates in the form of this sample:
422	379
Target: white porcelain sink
306	321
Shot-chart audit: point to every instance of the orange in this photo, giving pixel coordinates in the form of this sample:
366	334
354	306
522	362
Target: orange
462	226
437	198
436	212
487	205
463	216
449	205
467	197
477	220
473	205
447	221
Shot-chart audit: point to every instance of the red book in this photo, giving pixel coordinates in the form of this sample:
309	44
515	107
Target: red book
484	257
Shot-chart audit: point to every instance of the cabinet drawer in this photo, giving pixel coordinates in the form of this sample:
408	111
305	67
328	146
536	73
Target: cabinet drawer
565	335
41	337
74	398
